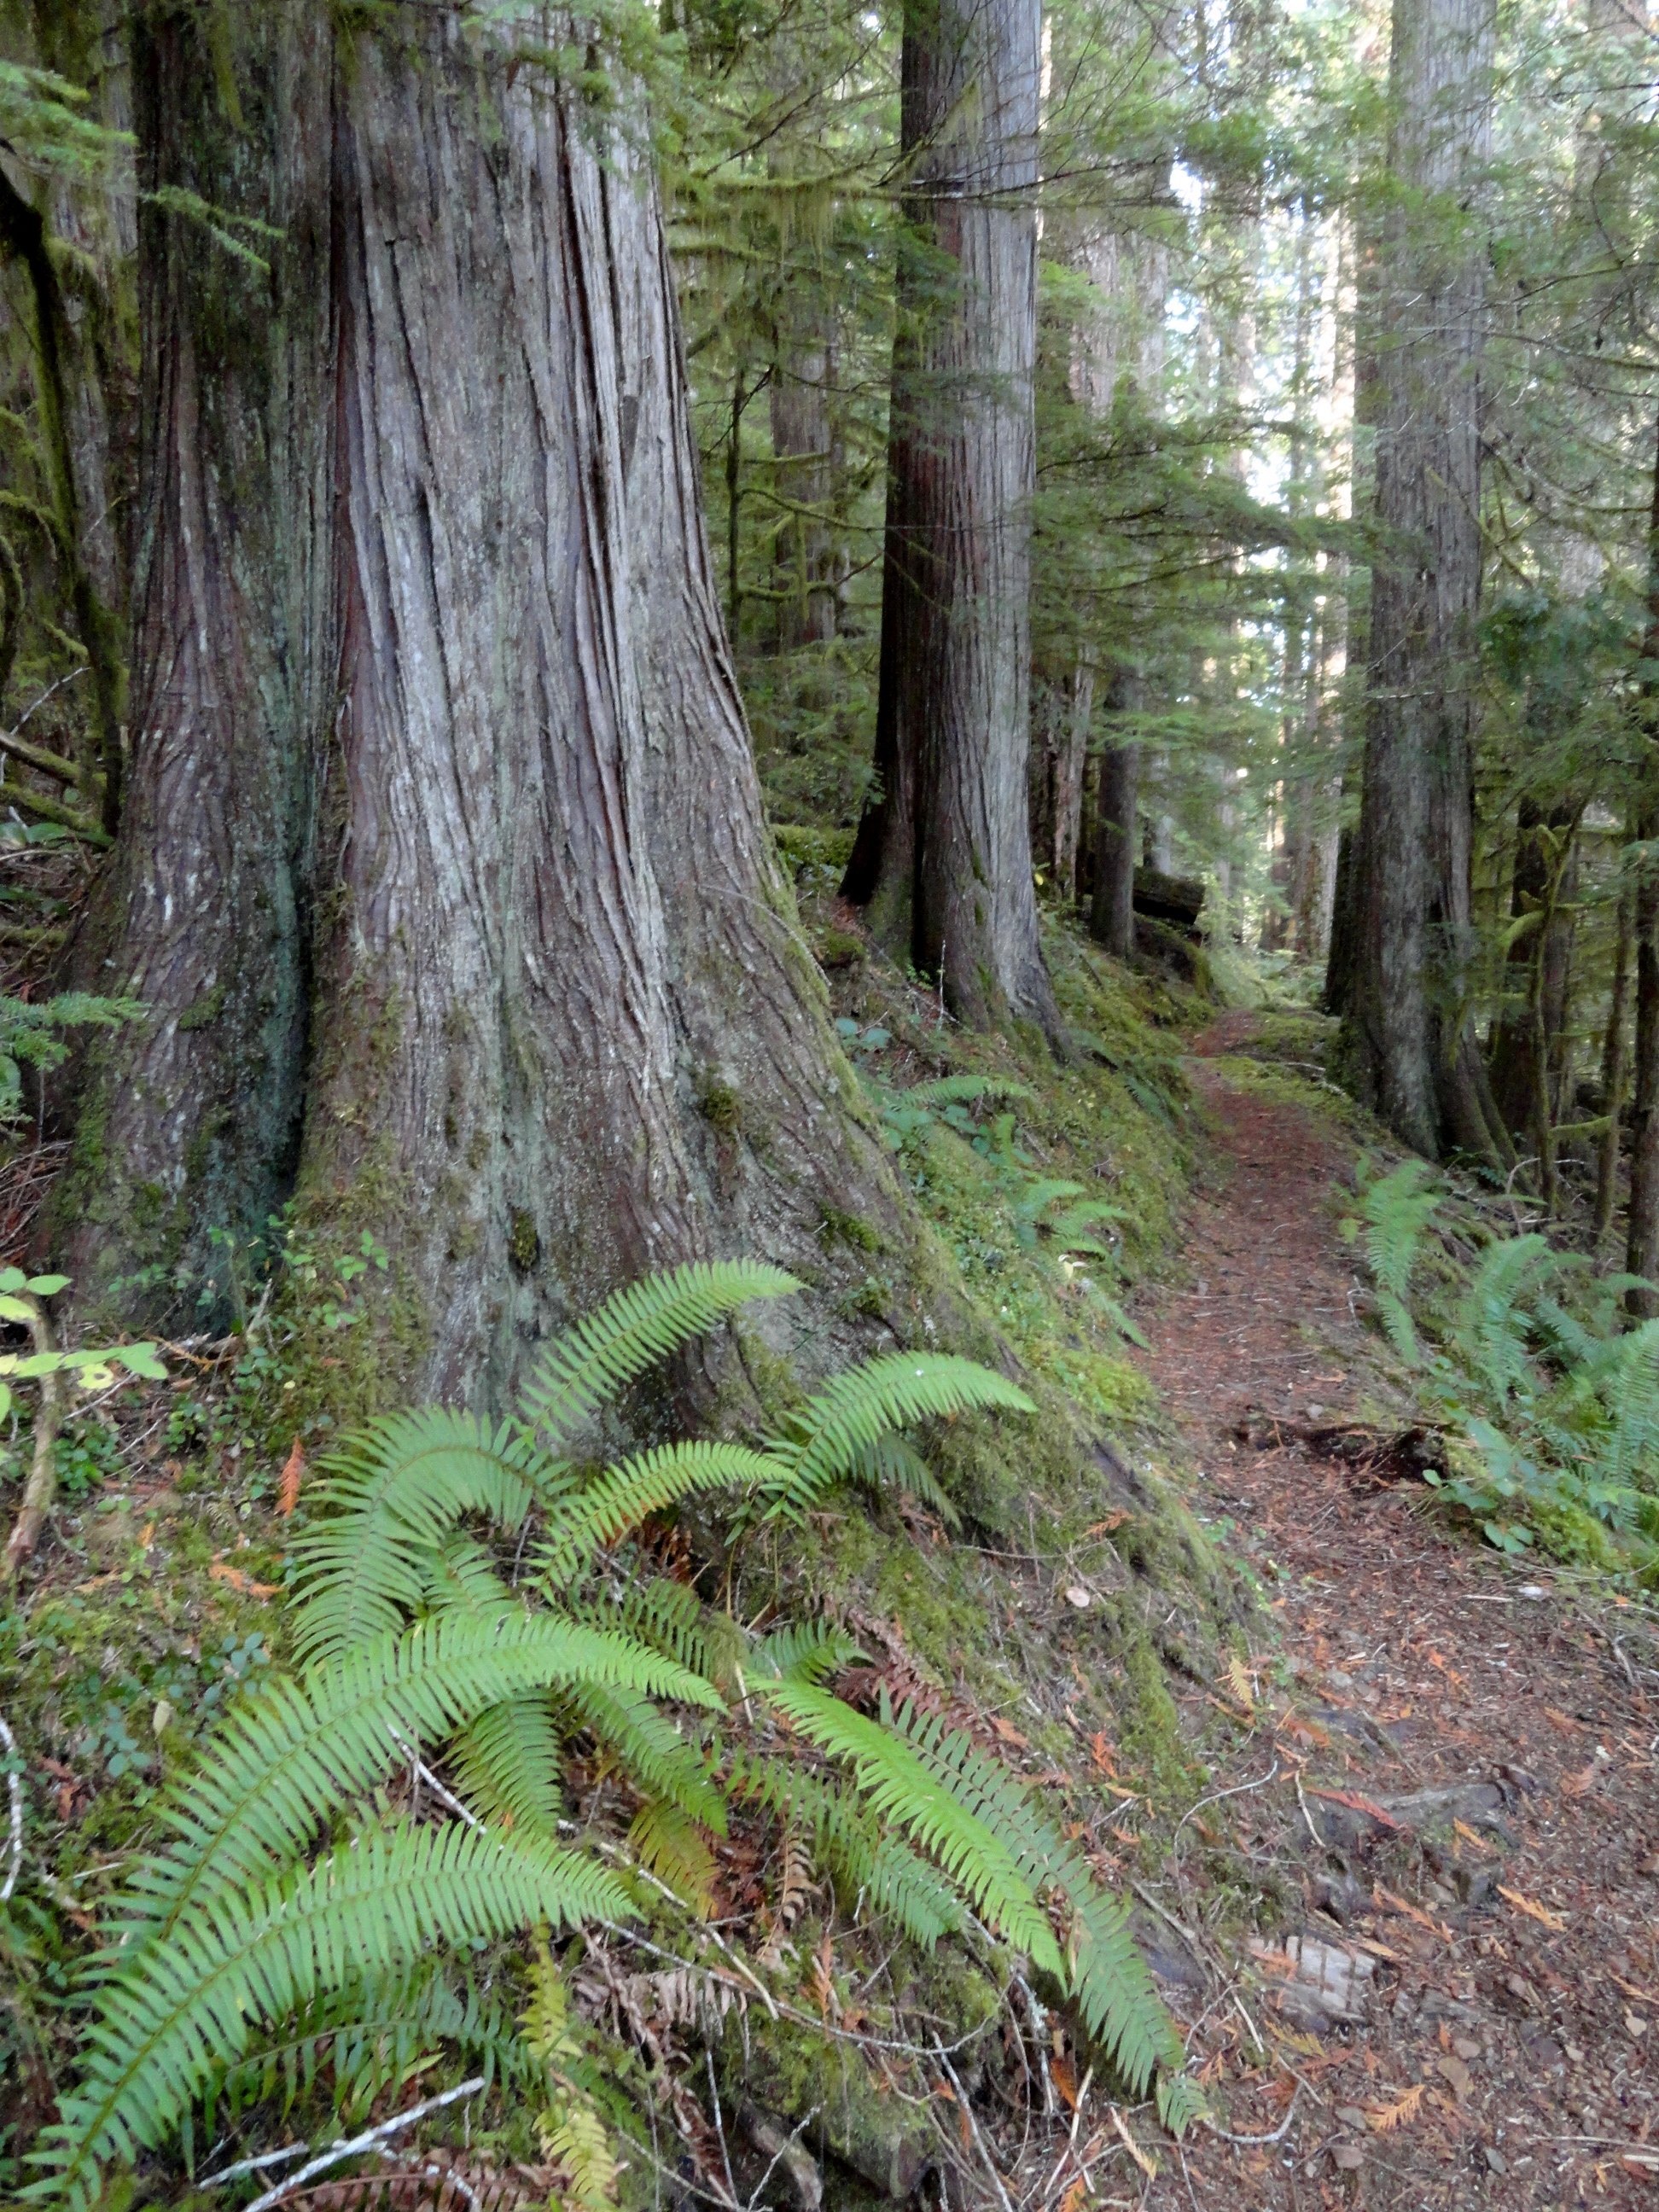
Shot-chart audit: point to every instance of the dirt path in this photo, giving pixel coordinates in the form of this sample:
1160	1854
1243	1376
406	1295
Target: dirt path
1454	1728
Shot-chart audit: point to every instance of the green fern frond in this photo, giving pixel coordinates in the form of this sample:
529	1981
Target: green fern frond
606	1508
668	1615
965	1090
280	1764
633	1331
1180	2102
896	1882
1396	1208
851	1845
1108	1976
574	2136
888	1462
508	1762
1038	1196
462	1575
545	2019
370	2035
856	1407
675	1848
168	2018
650	1750
899	1788
385	1504
804	1651
1490	1327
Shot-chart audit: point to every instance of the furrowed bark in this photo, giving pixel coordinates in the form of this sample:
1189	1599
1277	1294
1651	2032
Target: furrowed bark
1416	1056
943	855
489	954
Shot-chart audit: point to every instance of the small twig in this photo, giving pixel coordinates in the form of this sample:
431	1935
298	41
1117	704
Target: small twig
1302	1801
1226	2136
15	1795
1181	1929
1215	1797
719	2123
973	2128
285	2156
354	2146
445	1796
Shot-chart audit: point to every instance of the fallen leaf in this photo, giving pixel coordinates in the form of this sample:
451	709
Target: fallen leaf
1634	1989
1113	1520
1580	1784
1386	1897
1540	1913
1565	1721
1239	1683
293	1468
1060	2074
236	1580
1104	1754
1377	1950
1293	1725
1480	1843
1009	1732
1453	2069
1147	2165
1356	1803
1396	2115
1073	2199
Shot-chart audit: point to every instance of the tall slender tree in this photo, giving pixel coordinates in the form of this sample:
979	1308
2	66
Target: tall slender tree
1416	1054
942	859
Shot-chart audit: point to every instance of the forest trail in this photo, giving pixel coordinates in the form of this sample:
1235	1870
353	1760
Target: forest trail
1472	1738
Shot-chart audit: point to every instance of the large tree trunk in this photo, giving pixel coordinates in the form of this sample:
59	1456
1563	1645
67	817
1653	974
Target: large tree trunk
943	856
445	876
1416	1057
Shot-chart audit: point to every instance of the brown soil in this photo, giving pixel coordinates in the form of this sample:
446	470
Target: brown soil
1506	2050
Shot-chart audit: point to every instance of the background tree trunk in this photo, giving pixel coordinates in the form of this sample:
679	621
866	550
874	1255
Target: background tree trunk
1642	1220
446	878
943	856
1416	1056
803	435
1118	850
1526	1046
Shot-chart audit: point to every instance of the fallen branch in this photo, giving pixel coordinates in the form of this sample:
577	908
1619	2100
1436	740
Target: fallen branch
346	2147
53	810
43	1471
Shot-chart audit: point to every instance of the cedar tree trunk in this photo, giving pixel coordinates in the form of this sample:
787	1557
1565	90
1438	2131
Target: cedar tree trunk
943	857
445	875
1416	1057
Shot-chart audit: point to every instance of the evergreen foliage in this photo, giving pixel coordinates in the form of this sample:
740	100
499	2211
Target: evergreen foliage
1549	1393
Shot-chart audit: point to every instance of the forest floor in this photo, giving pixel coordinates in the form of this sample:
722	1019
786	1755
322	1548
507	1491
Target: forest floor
1462	1817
